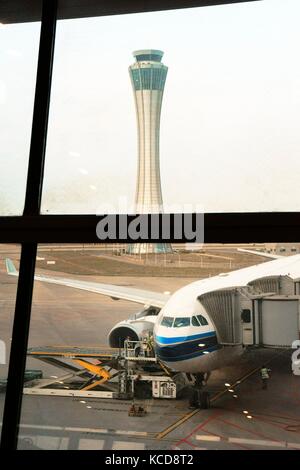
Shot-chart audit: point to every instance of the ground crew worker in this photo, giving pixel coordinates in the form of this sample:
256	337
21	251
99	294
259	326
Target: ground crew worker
150	346
264	373
144	347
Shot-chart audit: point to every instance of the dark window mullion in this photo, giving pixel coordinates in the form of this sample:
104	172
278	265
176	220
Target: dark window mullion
17	363
41	110
251	227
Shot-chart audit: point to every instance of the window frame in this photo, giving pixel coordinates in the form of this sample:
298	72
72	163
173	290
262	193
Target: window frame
32	228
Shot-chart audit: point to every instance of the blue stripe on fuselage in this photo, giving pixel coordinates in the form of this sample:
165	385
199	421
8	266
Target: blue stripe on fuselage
165	357
180	339
187	349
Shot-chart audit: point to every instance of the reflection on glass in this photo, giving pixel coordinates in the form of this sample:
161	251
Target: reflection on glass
18	61
91	356
229	118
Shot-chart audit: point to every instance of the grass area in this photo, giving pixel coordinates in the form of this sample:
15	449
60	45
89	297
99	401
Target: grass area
191	265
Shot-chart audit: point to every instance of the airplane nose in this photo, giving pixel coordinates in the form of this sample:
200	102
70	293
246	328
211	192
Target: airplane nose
173	349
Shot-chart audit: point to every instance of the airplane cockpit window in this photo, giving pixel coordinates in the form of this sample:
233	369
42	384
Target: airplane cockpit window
195	322
180	322
167	321
202	320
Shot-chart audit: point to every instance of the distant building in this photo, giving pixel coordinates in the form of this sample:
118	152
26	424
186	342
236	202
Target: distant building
148	76
284	249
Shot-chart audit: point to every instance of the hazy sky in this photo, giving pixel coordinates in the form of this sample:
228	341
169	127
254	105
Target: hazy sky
230	137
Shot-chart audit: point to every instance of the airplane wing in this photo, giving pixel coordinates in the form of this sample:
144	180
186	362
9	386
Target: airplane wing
144	297
260	253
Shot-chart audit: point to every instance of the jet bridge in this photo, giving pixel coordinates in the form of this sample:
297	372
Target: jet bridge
265	313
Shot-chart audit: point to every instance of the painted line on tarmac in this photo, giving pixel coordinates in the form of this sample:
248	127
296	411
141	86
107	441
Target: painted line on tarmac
189	415
108	431
218	395
151	435
207	438
254	442
87	430
41	426
173	426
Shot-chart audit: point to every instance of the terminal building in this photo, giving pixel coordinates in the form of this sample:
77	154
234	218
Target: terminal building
148	75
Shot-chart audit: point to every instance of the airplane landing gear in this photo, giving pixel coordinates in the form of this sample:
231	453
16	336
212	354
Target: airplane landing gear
199	398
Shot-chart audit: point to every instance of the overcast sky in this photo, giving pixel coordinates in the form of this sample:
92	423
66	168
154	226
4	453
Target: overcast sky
230	137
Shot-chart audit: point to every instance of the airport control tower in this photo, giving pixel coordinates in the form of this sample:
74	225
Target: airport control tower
148	76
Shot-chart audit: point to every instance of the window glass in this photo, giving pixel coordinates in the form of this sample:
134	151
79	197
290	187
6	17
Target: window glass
181	321
66	320
19	45
167	321
202	320
195	321
233	102
76	403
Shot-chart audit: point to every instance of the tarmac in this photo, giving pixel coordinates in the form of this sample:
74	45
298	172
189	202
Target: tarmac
243	419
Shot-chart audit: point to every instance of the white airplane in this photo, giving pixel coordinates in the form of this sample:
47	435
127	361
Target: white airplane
194	329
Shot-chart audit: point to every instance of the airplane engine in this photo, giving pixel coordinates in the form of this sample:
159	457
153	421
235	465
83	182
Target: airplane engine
134	329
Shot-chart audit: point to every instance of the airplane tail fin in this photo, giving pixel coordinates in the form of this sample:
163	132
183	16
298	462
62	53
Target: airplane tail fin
10	267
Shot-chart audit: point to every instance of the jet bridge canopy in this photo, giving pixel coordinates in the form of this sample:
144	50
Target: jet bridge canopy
252	315
224	308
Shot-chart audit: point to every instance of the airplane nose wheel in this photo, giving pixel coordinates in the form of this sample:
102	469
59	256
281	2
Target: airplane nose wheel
204	400
199	398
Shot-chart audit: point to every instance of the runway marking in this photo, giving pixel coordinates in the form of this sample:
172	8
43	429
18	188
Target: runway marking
108	431
211	418
222	437
124	445
173	426
293	445
89	430
41	426
276	424
257	442
133	433
207	438
189	415
253	442
244	429
58	443
123	432
90	444
45	442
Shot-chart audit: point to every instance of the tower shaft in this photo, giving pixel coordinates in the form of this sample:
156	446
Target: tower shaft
148	76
